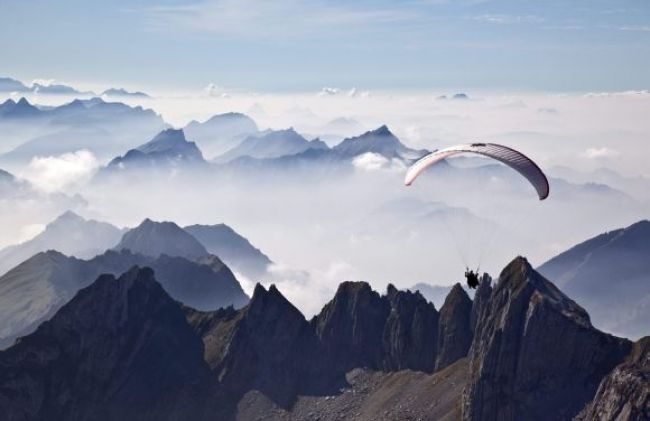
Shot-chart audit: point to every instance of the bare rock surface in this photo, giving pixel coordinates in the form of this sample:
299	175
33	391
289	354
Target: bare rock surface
535	355
625	393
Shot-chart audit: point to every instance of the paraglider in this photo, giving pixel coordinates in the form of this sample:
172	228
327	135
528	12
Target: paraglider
512	158
508	156
472	278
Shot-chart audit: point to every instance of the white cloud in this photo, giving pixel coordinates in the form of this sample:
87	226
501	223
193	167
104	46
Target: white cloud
52	173
328	91
596	153
213	90
635	28
43	82
507	19
283	18
370	161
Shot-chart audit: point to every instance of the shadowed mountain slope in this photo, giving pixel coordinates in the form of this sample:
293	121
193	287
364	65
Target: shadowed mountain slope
235	250
610	275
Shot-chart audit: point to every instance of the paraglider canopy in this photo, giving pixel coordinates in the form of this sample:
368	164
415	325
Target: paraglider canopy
512	158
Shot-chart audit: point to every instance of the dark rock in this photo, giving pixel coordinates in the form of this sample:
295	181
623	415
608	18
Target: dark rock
409	339
481	300
121	349
267	346
351	326
360	328
34	290
535	355
454	330
625	393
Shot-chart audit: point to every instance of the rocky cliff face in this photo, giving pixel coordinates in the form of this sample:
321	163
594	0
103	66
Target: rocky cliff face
351	326
409	337
267	346
360	328
481	300
535	355
454	329
625	393
121	349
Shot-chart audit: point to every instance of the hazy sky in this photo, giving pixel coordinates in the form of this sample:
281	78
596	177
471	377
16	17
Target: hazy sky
262	45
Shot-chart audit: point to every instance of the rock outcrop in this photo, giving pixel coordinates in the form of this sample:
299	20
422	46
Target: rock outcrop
454	329
121	349
481	300
351	326
625	393
409	337
267	346
535	355
360	328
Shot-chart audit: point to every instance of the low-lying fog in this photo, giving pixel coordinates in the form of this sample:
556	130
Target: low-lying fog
365	224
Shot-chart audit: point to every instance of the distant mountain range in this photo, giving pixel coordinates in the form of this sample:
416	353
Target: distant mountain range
12	85
46	279
221	132
272	144
123	93
122	348
610	275
32	291
69	234
104	128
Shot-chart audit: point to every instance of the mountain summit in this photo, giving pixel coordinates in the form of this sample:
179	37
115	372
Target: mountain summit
167	148
535	346
380	141
155	238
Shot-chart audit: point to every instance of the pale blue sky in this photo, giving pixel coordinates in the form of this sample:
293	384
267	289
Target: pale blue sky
266	45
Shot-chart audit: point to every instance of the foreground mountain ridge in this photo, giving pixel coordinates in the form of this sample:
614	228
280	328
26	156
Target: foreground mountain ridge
267	360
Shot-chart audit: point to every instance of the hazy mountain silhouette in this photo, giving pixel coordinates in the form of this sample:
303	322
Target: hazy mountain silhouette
8	84
236	251
123	93
168	148
152	238
104	128
32	291
69	234
380	141
221	132
610	275
272	144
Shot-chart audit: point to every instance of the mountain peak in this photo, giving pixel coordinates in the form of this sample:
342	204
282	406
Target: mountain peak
382	130
67	217
165	140
152	238
520	274
526	319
